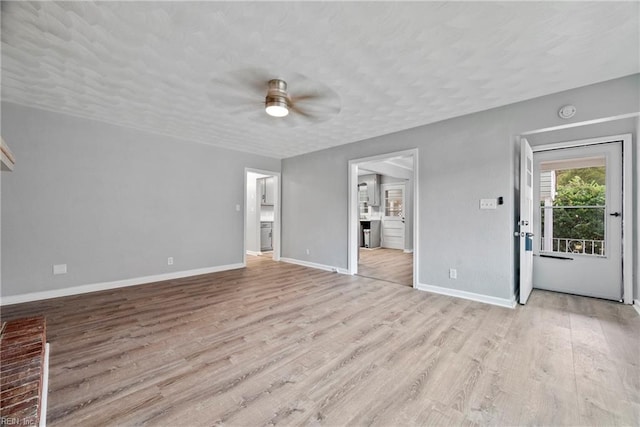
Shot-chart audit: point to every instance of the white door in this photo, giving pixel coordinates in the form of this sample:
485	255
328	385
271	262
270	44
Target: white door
578	222
526	220
393	216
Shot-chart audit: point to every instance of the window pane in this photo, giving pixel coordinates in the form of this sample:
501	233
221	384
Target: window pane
572	205
573	230
393	202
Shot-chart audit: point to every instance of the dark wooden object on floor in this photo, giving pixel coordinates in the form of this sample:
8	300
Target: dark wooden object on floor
22	350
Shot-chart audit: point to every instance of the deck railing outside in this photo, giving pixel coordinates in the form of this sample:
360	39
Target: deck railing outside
576	246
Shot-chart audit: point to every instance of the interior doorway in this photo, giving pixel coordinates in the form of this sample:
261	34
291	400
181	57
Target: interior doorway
262	214
382	212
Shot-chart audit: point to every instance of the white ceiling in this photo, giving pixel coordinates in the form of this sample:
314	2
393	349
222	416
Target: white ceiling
396	167
152	65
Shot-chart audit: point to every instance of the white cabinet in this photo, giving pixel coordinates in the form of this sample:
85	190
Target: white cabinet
372	185
266	190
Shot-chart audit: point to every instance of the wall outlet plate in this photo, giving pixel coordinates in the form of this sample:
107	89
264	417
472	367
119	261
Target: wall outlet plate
488	203
453	273
170	260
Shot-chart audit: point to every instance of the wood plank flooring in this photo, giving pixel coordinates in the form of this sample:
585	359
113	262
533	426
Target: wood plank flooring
277	343
392	265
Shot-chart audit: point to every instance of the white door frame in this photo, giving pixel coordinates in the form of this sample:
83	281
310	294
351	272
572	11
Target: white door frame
354	220
627	200
276	213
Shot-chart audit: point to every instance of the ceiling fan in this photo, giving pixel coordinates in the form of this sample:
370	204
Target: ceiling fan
285	99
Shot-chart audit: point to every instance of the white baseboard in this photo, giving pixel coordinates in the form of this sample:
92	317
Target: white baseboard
94	287
315	265
636	305
408	251
254	253
502	302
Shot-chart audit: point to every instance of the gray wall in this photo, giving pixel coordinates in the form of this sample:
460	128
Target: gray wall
113	203
460	161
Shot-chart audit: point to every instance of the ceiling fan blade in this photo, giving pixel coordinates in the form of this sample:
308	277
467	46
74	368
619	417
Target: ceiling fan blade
250	81
319	109
233	104
255	78
297	110
308	97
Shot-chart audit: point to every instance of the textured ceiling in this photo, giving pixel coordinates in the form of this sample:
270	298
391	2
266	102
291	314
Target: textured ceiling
154	66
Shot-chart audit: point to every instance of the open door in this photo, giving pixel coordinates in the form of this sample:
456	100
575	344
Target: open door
526	220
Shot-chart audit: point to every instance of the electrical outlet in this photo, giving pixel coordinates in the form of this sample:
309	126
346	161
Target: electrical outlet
60	269
488	203
170	260
238	208
308	251
453	273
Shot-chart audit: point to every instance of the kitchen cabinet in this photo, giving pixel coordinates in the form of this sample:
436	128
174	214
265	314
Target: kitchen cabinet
372	185
266	190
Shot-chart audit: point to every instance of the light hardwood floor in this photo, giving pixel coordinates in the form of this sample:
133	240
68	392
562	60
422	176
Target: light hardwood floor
283	344
392	265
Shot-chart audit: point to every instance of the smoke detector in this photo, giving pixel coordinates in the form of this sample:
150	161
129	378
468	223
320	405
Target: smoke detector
567	111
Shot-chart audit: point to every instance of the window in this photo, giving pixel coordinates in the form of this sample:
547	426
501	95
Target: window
572	206
393	199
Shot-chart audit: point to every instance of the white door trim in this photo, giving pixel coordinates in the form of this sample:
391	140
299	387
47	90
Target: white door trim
277	207
352	250
627	200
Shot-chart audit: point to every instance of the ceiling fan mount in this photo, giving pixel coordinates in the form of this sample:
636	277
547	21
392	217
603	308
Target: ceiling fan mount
277	102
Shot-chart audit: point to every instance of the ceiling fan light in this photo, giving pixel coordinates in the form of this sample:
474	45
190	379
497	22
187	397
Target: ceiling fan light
276	107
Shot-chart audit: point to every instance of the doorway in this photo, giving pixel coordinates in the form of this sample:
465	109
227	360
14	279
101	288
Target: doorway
578	220
529	243
262	214
393	224
382	212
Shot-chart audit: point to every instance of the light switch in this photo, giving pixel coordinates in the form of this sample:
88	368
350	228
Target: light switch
488	203
60	269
